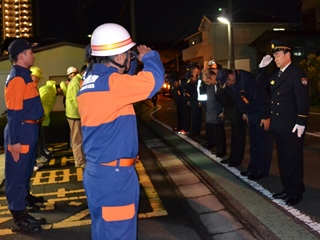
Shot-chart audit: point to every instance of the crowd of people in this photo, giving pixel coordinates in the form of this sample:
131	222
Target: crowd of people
103	132
271	109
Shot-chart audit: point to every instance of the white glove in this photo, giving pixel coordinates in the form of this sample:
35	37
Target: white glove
299	128
266	60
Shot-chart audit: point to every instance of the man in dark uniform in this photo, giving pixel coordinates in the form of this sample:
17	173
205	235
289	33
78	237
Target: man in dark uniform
185	110
179	103
24	111
289	113
254	104
227	98
193	102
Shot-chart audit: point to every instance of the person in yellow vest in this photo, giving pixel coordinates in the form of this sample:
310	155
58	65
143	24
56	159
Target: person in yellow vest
73	116
48	94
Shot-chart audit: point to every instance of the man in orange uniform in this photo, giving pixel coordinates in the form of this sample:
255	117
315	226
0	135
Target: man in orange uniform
109	127
24	111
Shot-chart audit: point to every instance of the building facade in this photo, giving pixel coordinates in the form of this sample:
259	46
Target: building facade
211	41
16	19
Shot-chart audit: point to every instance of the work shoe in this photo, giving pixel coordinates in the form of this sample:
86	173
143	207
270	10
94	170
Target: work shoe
42	159
23	226
47	152
226	161
24	223
35	168
234	164
255	176
32	208
34	220
34	199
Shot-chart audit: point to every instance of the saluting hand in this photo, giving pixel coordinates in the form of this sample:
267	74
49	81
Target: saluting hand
266	60
142	49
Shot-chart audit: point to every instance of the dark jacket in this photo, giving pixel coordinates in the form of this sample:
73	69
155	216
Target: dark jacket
289	99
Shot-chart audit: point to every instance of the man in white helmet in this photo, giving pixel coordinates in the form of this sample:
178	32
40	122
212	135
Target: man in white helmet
73	116
109	127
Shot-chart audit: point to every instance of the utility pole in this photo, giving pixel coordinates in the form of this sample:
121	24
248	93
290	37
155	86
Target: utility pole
133	21
230	36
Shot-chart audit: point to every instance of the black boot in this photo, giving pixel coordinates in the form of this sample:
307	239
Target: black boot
31	199
23	223
34	220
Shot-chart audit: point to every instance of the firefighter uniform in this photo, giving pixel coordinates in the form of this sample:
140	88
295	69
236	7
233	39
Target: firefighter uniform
227	99
110	137
254	102
24	111
289	112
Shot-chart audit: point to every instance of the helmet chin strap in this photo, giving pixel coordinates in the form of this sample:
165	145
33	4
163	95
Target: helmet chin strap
119	65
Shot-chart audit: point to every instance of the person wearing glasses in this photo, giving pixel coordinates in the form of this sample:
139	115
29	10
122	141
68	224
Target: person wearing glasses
215	117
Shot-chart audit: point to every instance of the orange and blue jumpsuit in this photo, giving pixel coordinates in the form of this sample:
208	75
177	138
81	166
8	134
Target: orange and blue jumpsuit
110	141
23	110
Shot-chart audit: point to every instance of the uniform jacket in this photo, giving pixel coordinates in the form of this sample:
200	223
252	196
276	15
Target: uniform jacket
22	101
106	100
192	94
251	97
289	99
71	97
48	96
227	99
213	107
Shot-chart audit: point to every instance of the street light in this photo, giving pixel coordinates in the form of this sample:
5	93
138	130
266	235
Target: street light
230	40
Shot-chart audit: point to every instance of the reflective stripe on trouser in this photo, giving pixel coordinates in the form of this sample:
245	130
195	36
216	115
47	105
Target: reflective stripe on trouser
113	197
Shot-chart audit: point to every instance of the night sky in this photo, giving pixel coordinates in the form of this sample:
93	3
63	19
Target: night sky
157	21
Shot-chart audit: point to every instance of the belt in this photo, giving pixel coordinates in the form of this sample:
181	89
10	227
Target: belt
32	121
122	162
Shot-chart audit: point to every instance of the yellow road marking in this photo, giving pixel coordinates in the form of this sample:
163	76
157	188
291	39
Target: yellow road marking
152	195
52	177
60	176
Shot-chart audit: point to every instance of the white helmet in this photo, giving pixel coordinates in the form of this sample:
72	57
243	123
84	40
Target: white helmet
110	39
71	70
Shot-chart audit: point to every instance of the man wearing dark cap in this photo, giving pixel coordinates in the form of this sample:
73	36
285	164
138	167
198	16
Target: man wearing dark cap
24	111
289	112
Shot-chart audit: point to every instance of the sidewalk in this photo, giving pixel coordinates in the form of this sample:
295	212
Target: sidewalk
229	205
